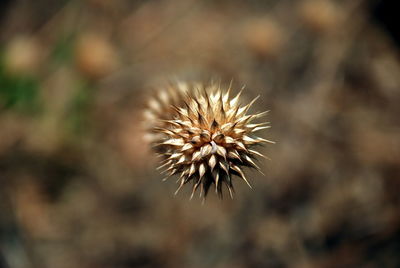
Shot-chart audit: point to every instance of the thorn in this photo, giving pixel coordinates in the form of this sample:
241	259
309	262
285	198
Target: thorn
260	128
225	168
196	155
192	169
221	151
187	146
235	100
181	160
180	186
202	170
206	150
259	154
193	190
264	140
216	181
201	192
249	140
252	102
248	159
226	95
238	170
235	155
241	146
246	108
230	191
260	114
229	139
166	164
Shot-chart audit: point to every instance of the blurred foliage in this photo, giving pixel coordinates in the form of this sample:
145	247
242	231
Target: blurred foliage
18	92
79	108
63	50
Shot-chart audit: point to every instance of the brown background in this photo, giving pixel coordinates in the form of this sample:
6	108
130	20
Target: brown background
78	186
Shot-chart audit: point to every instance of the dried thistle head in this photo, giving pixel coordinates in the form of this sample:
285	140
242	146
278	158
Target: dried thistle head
204	135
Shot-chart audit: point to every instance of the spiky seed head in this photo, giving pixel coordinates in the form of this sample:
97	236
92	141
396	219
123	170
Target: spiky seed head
204	135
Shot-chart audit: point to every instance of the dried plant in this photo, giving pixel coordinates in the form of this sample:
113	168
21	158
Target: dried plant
204	135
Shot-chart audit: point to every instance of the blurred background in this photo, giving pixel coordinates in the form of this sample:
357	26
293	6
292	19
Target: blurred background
78	185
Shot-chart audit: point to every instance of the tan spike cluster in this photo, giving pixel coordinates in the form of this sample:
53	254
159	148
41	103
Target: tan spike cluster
204	135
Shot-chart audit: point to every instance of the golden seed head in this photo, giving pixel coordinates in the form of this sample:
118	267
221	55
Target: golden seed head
204	135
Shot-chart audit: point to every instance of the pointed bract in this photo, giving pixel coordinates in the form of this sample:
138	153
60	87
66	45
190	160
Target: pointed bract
204	135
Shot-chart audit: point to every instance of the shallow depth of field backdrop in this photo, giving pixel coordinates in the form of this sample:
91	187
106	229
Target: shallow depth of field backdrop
78	185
